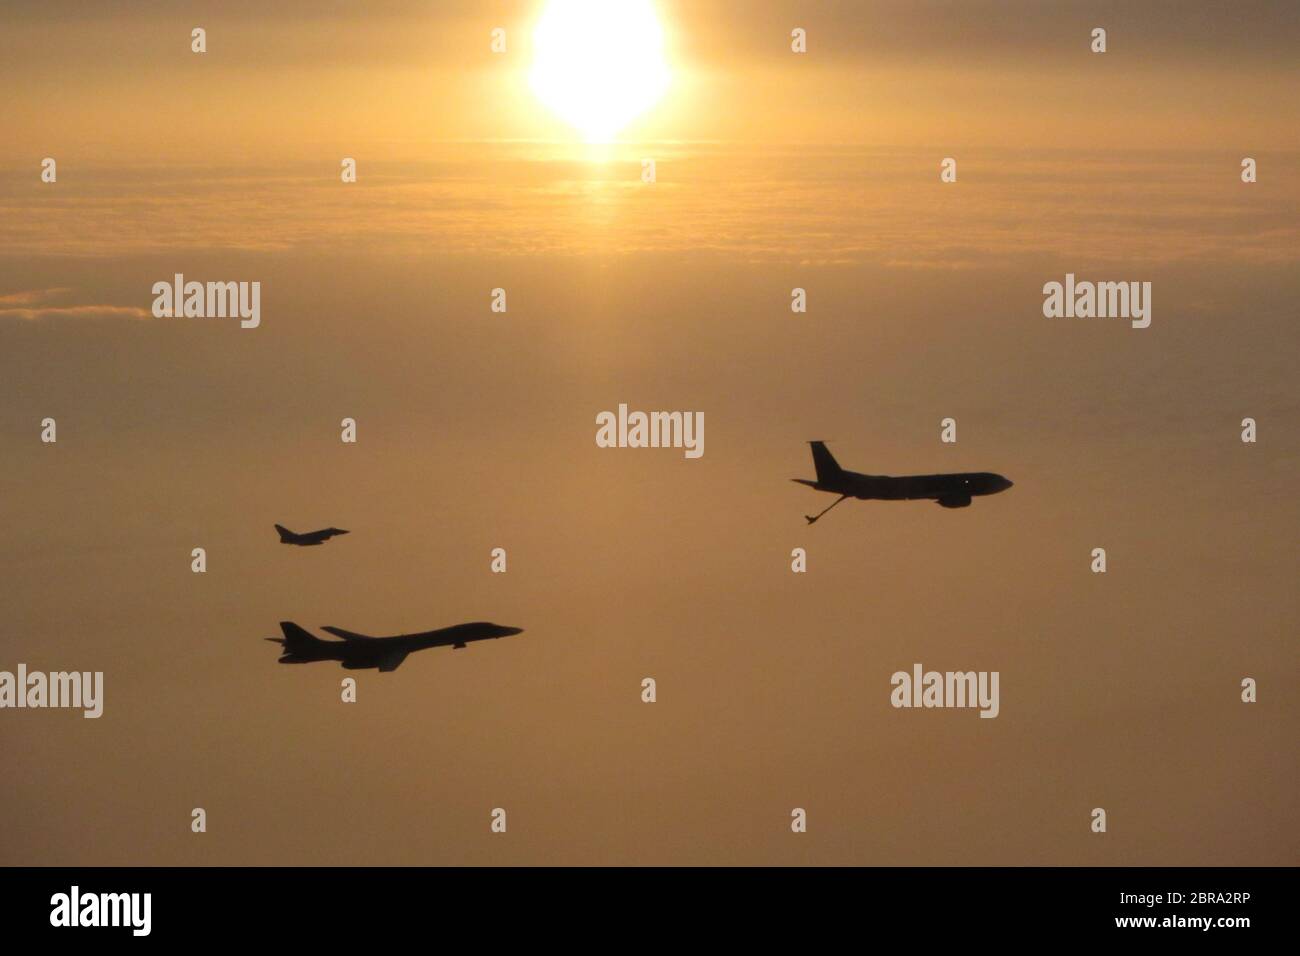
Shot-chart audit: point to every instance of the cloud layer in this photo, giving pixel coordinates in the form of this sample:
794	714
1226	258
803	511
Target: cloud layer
35	304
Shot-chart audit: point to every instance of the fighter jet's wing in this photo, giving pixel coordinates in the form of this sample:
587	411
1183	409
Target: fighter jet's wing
347	635
392	660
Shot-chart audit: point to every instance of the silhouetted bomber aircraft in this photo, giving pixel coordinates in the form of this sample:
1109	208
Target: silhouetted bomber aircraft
307	537
359	651
951	491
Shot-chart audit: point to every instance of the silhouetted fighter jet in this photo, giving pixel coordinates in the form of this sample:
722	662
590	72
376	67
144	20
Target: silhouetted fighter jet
951	491
307	537
359	651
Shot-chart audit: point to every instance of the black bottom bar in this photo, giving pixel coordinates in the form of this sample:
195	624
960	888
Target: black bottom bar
330	905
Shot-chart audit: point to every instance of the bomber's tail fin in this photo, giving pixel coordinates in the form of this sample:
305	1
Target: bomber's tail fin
285	533
296	638
825	463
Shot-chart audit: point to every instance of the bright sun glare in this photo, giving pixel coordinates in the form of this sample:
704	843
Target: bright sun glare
598	64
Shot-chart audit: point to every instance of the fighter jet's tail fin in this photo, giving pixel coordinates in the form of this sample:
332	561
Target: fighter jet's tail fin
825	463
285	533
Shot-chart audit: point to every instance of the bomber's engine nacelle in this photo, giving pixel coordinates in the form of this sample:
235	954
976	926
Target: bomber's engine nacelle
955	501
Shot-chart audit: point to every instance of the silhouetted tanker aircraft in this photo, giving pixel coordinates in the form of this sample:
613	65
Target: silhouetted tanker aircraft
307	537
359	651
951	491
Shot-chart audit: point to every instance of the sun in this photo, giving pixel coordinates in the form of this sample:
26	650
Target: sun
598	64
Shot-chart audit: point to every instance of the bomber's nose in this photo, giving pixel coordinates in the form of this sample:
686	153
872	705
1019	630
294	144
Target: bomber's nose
1006	483
511	631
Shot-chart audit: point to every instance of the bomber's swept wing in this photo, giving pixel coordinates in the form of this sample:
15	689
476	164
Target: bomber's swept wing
348	635
392	660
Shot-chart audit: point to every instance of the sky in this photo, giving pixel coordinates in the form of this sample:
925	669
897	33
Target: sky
476	431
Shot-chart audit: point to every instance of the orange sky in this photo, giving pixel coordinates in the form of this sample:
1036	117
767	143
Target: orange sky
102	82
